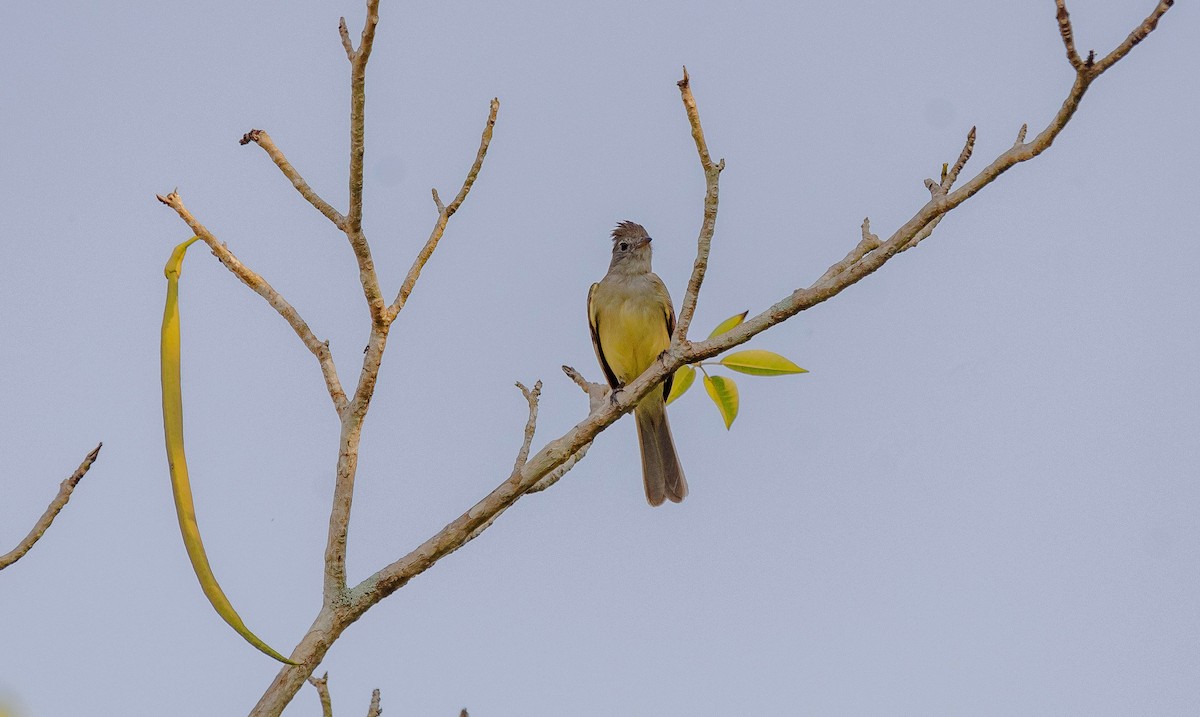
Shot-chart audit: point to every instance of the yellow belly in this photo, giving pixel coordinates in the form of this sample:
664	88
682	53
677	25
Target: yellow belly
632	334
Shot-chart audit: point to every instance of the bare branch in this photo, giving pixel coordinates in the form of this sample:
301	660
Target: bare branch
262	139
444	214
530	425
918	226
60	501
344	32
374	710
1139	33
866	245
322	685
952	176
259	285
353	224
596	393
1021	135
1068	36
712	176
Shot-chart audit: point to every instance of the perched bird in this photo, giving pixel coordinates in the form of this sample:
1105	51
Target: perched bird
631	318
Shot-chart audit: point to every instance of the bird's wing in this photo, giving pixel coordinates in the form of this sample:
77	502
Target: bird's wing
594	325
669	310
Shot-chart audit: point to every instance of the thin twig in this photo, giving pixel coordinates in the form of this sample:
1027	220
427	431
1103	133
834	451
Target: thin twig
444	213
1139	33
259	285
1068	36
866	245
921	223
374	710
596	393
1021	135
531	397
322	685
262	139
345	34
952	176
712	177
353	224
60	500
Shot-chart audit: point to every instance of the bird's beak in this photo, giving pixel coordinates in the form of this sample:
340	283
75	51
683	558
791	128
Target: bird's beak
645	241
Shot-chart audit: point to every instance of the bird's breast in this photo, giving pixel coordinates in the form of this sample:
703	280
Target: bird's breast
633	331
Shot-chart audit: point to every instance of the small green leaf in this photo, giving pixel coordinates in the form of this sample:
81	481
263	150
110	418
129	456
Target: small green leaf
757	362
723	391
684	377
729	323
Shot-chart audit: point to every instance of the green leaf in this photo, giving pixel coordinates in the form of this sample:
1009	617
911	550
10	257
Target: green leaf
684	377
723	391
757	362
729	323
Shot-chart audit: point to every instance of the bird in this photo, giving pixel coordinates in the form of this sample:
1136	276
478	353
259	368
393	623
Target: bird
631	320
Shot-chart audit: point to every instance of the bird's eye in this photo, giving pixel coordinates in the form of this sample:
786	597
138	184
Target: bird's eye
623	246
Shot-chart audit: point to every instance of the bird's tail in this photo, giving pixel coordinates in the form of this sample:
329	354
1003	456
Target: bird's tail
661	471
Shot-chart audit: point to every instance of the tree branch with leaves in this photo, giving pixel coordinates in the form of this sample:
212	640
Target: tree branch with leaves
344	603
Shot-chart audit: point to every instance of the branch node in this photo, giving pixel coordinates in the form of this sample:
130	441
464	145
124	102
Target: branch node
438	201
251	136
948	179
1021	135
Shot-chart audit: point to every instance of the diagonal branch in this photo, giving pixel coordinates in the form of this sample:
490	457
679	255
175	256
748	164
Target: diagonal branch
712	177
262	139
939	204
445	211
862	261
60	501
259	285
1139	33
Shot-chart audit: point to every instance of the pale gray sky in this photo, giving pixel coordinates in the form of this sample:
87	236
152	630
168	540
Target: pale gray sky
982	500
